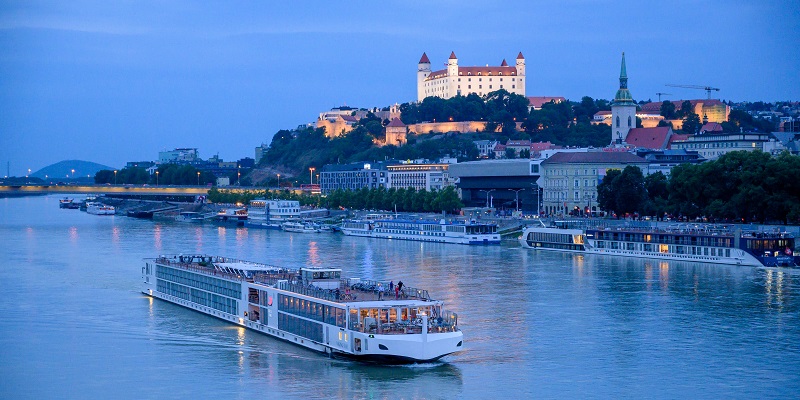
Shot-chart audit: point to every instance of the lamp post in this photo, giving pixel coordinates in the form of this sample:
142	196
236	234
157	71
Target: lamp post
115	177
239	177
279	181
311	172
156	178
516	193
198	178
73	173
487	196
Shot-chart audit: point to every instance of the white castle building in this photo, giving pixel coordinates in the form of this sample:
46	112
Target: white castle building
455	80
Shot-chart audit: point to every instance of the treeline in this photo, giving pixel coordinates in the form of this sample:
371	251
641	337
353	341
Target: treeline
168	174
568	124
402	199
407	200
500	109
739	186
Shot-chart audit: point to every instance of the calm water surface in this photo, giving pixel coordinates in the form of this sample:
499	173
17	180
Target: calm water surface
73	323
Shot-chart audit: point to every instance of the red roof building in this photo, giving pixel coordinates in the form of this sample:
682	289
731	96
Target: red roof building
649	138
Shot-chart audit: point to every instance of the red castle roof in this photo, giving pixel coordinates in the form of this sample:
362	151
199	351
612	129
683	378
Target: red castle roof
396	123
520	56
453	55
424	59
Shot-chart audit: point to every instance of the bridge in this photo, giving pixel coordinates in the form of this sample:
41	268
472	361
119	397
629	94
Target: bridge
133	190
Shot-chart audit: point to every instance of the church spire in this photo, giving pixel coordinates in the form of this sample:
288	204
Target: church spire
623	97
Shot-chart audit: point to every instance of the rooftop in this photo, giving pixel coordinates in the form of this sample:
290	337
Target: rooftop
596	157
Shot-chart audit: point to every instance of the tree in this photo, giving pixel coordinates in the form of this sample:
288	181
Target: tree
668	110
691	124
629	190
605	191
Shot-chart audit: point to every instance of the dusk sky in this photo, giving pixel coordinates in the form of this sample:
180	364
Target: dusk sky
112	82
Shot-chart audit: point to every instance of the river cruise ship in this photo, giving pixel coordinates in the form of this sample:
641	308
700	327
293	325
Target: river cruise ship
469	232
271	214
688	242
312	307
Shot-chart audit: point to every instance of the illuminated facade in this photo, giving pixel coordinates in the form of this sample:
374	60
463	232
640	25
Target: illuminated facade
454	80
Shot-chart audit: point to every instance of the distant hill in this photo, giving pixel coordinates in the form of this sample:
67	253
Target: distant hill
63	169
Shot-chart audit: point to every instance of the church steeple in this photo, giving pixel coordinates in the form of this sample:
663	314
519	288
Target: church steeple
623	74
623	97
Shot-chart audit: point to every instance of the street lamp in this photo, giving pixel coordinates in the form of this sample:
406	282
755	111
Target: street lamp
516	193
115	177
156	178
487	195
279	181
198	178
29	172
73	173
311	172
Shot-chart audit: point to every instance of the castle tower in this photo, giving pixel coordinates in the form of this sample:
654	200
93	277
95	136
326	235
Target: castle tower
452	75
423	70
521	72
623	109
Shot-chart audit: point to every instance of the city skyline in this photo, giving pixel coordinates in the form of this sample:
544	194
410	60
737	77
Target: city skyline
111	83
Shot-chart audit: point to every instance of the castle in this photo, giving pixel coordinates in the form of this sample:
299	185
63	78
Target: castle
454	80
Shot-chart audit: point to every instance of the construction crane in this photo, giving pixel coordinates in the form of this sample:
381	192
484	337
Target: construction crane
660	94
708	89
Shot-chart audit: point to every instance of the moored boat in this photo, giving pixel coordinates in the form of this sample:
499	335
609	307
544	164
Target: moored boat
719	244
300	227
467	232
312	307
96	208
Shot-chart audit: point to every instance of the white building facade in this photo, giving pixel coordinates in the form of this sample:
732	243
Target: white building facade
455	80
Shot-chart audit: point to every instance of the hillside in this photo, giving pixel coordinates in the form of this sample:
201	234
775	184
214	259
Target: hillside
64	169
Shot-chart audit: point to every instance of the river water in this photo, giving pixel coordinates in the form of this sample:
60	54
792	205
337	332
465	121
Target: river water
73	323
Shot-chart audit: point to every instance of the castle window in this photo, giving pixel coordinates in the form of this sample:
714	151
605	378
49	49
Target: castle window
617	121
501	86
469	79
480	79
513	73
490	86
490	79
469	73
629	120
500	73
459	79
469	86
480	86
513	86
490	73
460	73
479	74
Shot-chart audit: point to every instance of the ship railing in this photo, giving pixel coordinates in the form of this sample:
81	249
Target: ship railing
185	262
447	322
374	289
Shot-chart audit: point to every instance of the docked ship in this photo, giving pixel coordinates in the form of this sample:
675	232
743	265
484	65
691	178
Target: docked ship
300	227
270	214
97	208
66	202
703	243
236	216
312	307
468	232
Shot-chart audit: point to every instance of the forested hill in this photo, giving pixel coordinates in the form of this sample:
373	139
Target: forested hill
566	124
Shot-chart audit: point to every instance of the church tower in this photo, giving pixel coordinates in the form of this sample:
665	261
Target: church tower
423	70
623	109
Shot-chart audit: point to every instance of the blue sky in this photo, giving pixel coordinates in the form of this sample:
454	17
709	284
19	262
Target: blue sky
112	82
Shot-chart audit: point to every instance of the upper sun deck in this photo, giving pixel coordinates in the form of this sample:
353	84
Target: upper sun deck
321	283
696	230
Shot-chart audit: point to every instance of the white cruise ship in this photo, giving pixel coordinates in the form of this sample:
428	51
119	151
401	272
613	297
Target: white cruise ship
424	230
687	242
96	208
270	214
311	307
